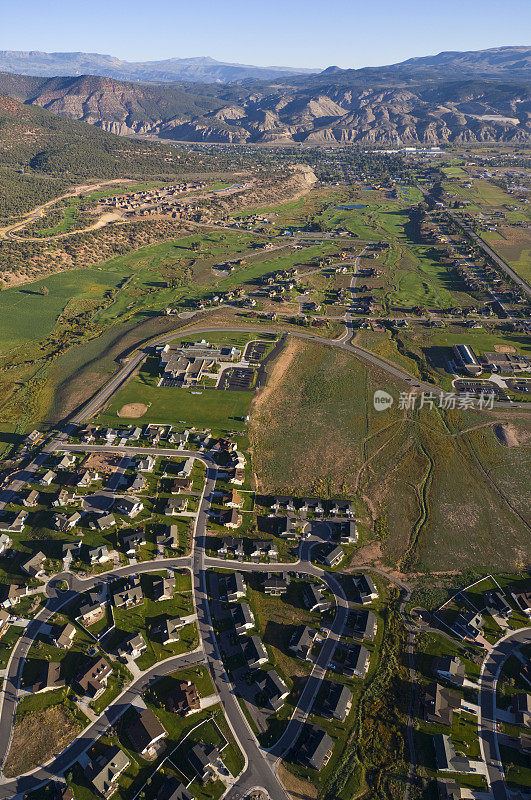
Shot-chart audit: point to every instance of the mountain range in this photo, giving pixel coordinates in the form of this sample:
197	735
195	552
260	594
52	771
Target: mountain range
206	69
481	96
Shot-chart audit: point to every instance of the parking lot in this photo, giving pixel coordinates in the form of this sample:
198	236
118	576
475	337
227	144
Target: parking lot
237	379
255	351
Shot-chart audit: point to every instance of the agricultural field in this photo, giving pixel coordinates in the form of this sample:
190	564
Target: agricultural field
421	476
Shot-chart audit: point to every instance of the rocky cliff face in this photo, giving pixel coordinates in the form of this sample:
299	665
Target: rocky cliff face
333	107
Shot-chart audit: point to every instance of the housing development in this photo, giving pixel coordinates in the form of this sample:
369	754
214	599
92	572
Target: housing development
264	442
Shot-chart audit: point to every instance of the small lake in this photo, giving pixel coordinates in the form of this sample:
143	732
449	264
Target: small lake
349	208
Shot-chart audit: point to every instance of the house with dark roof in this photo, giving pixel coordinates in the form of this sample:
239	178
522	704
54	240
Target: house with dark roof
34	566
105	771
144	730
129	593
272	688
94	676
302	641
440	704
50	677
264	548
283	503
286	527
362	624
93	609
334	701
168	630
184	699
242	617
352	660
173	789
276	583
313	598
316	748
334	557
469	623
522	600
203	759
98	555
313	505
342	507
365	588
130	506
521	707
235	587
496	603
448	790
133	646
254	652
163	587
132	540
446	758
230	518
450	668
230	546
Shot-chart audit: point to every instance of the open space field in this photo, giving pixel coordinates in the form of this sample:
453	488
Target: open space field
202	406
428	485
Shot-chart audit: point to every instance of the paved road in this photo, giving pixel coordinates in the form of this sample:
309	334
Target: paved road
488	679
61	763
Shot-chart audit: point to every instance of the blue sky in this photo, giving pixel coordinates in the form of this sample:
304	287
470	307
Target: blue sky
312	33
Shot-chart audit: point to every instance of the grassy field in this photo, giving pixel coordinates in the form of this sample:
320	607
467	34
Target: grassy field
441	496
203	407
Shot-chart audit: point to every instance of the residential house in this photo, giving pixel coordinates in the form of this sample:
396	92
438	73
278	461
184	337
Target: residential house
133	646
276	584
63	498
313	598
185	468
440	704
363	625
15	593
283	503
67	461
272	688
144	731
170	538
312	505
139	482
449	790
34	566
98	555
4	621
203	759
48	478
168	629
233	499
92	610
264	548
184	699
254	652
450	668
237	476
243	618
163	587
522	600
521	706
63	637
130	506
105	522
235	586
181	485
230	519
316	748
343	508
231	546
287	527
5	543
301	642
446	758
365	588
16	525
496	603
352	660
334	557
146	464
172	789
105	771
32	499
347	531
94	676
129	593
335	701
50	677
469	623
175	506
132	540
